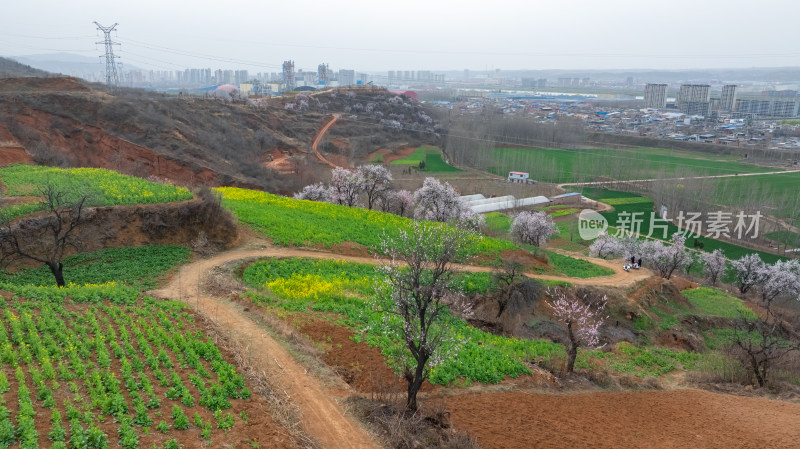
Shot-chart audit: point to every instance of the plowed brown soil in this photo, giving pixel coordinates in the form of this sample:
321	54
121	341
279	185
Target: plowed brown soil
644	419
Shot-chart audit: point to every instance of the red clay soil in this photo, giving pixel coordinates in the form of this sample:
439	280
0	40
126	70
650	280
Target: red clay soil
643	419
11	155
363	367
277	160
93	147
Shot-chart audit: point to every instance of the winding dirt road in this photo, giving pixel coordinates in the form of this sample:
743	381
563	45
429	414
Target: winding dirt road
318	139
322	417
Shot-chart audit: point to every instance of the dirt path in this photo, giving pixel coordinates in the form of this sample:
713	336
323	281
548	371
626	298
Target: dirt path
322	417
736	175
318	139
641	419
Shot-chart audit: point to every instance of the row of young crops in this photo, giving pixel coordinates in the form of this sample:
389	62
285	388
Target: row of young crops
106	368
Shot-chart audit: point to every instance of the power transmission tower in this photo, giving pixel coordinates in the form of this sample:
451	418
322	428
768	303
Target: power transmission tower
112	78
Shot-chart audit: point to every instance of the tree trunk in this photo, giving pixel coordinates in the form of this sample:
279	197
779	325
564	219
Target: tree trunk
58	272
414	385
572	353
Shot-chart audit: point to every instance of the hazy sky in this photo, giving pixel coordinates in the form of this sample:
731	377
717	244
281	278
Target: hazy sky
415	34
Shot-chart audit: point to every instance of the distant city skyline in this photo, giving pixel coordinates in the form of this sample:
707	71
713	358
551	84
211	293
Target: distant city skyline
423	35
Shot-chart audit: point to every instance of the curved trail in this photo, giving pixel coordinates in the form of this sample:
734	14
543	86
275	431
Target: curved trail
322	417
318	139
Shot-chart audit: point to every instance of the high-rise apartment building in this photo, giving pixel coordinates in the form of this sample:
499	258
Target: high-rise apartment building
728	99
655	96
695	99
347	77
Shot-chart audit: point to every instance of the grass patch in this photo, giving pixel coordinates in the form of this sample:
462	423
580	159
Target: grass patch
431	156
140	267
715	302
577	268
787	238
498	222
552	165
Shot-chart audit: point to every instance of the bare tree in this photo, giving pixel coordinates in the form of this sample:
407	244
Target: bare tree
762	341
515	290
65	212
418	276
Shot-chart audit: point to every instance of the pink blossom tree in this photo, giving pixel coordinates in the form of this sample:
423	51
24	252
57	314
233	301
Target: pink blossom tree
748	272
375	182
714	264
583	320
313	192
437	201
605	245
533	228
345	186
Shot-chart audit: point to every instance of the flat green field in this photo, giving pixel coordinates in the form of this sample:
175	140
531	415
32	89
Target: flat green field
777	193
432	157
552	165
632	203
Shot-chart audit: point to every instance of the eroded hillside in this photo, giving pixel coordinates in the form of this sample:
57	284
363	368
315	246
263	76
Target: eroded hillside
198	140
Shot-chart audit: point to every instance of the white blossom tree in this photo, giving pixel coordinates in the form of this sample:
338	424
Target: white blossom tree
345	186
605	245
313	192
533	228
437	201
778	279
713	265
666	258
747	271
375	182
419	274
398	202
582	317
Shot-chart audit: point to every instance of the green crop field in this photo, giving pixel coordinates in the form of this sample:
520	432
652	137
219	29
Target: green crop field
633	203
552	165
89	370
414	159
311	223
432	157
341	287
103	187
